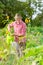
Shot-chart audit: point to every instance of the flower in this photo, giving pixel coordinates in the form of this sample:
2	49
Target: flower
27	20
7	17
7	32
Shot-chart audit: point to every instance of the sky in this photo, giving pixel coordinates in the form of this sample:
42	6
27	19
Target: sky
23	0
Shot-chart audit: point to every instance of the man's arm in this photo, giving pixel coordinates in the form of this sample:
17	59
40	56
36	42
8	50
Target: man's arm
10	25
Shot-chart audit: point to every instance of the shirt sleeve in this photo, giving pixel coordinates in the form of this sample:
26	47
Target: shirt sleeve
10	25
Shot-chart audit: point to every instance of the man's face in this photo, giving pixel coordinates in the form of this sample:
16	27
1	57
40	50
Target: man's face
18	19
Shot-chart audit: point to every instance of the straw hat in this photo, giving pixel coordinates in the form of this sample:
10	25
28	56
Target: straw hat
17	16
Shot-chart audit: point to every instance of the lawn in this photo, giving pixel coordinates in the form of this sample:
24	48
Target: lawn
33	52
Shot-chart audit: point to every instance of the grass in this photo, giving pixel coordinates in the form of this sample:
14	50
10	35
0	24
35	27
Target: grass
33	52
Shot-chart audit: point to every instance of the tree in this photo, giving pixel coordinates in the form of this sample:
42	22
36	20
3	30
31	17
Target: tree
9	7
37	6
13	6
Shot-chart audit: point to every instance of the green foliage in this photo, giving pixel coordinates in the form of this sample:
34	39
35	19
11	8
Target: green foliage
33	52
9	39
38	20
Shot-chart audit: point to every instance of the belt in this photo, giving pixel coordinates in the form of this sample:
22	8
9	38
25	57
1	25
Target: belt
21	37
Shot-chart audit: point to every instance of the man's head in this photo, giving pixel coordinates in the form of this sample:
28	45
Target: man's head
18	17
